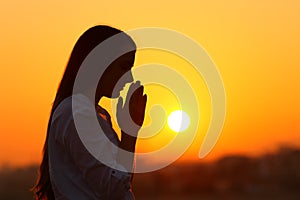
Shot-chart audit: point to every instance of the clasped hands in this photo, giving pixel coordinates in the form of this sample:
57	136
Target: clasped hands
130	116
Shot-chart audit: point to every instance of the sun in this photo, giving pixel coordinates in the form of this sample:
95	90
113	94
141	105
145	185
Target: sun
178	121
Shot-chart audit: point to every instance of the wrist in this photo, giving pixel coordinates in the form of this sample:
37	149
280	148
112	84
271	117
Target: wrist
128	142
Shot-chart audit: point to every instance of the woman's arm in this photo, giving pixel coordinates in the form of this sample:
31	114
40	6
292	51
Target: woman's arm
130	119
102	177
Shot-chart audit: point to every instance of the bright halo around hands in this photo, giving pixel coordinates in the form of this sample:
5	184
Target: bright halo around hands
178	121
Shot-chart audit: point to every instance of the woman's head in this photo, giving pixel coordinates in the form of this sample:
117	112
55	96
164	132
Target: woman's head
85	44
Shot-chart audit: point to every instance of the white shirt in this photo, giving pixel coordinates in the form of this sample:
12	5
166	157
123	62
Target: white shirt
74	172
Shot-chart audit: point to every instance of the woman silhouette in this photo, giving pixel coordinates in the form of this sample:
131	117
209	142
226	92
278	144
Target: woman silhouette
68	170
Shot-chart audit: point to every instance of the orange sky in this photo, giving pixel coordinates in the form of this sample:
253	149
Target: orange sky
255	45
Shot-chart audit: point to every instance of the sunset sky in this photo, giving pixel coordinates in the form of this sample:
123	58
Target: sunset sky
255	45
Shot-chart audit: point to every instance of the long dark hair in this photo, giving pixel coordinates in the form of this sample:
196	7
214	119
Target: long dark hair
85	44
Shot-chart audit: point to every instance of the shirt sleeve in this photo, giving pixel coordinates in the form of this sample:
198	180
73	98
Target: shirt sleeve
104	179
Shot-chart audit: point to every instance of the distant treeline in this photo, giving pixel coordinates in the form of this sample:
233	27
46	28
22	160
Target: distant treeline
273	176
15	183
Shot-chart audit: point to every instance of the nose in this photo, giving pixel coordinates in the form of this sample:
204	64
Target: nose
128	77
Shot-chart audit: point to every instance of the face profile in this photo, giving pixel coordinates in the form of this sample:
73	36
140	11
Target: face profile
116	76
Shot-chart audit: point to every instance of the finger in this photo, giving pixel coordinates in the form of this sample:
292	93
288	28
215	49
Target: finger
120	103
139	101
131	90
140	96
134	86
137	98
139	91
145	101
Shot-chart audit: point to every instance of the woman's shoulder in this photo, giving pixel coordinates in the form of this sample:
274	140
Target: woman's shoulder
81	104
77	104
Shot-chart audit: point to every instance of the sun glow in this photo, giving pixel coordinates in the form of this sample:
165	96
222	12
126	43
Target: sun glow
179	121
